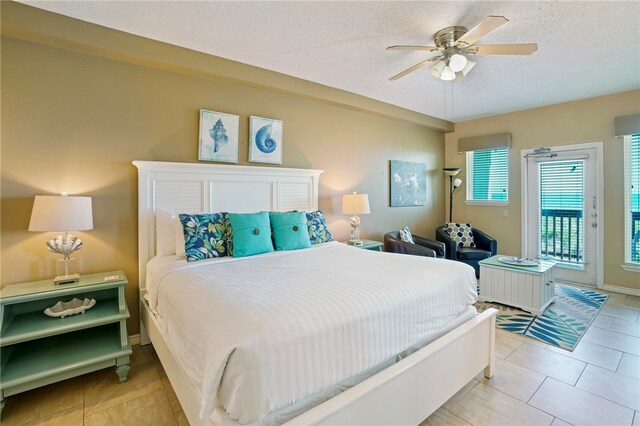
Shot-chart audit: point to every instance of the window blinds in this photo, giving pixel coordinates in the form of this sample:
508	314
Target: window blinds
561	185
489	175
632	198
561	206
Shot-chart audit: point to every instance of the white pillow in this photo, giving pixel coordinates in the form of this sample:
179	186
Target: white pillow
179	239
405	235
166	234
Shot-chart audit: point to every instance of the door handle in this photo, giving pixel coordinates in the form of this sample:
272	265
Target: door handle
594	202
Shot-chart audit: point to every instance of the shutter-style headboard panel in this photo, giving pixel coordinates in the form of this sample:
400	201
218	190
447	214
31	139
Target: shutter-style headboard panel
208	188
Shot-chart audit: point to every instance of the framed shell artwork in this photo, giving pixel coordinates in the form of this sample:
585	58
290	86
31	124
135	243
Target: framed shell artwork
265	140
408	183
218	139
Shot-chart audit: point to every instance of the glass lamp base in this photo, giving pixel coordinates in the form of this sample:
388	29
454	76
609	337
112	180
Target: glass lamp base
66	272
354	240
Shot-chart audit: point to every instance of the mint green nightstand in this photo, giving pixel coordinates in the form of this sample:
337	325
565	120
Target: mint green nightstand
370	245
36	350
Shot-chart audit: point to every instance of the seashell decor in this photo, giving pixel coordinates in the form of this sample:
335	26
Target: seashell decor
219	135
264	142
64	244
72	307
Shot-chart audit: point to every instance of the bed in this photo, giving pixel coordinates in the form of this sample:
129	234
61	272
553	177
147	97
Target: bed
331	334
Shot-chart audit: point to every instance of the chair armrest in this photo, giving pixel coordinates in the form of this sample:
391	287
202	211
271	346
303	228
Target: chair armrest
485	242
451	251
437	246
398	246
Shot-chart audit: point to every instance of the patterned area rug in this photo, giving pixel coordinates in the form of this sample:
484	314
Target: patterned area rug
563	323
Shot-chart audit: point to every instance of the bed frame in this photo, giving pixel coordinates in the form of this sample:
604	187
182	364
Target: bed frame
404	393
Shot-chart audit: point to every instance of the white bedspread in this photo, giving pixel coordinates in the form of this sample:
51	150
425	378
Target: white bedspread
261	333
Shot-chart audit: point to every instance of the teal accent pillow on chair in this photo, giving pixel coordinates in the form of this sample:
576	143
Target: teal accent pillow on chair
251	233
290	230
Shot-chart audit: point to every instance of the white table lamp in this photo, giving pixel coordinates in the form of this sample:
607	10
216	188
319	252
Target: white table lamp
62	213
355	204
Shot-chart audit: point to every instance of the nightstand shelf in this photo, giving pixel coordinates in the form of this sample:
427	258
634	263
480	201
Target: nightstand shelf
50	358
36	350
33	325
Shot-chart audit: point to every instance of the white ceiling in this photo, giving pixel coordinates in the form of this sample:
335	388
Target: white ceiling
585	48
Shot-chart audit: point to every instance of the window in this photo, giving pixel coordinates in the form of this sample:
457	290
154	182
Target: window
632	198
488	176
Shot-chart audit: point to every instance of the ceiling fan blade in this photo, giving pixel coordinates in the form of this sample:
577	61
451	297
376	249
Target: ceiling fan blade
482	29
414	68
503	49
407	47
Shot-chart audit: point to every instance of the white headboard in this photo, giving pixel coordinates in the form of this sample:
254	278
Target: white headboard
208	188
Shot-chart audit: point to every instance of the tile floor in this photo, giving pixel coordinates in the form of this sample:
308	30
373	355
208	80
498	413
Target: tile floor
534	384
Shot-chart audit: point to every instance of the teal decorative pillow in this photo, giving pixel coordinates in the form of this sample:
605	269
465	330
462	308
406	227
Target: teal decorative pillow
317	226
405	235
205	235
251	233
461	233
290	230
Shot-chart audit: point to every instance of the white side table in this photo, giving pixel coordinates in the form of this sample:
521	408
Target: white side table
529	288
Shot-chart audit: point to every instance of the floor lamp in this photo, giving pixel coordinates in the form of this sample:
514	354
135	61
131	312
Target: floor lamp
453	184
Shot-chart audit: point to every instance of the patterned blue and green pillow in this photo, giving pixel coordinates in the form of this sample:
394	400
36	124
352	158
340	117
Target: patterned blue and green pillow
461	233
205	235
318	229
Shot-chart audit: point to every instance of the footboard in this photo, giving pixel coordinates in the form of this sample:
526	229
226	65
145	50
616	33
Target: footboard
405	393
410	390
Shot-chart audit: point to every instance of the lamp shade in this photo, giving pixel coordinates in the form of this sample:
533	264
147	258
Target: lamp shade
355	204
451	171
447	74
437	68
457	62
61	213
468	66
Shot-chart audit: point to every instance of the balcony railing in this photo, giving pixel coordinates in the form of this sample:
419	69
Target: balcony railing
562	235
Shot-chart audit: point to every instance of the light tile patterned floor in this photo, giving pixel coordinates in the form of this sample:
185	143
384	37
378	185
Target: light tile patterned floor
535	384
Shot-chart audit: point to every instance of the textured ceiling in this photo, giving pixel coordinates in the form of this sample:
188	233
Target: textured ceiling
585	48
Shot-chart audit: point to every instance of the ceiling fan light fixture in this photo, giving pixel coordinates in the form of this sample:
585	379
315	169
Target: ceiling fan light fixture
447	74
457	62
437	68
468	66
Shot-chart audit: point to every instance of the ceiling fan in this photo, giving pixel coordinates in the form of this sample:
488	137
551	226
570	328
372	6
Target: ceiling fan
454	44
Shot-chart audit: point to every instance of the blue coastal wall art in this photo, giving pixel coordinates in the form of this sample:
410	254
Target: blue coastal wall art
265	140
408	184
218	136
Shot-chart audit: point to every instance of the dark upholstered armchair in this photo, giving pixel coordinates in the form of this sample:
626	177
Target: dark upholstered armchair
485	247
422	246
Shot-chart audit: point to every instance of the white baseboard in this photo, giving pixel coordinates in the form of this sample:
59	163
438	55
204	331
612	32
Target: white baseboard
623	290
134	339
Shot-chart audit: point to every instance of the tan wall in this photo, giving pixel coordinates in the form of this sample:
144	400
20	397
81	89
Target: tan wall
588	120
74	122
